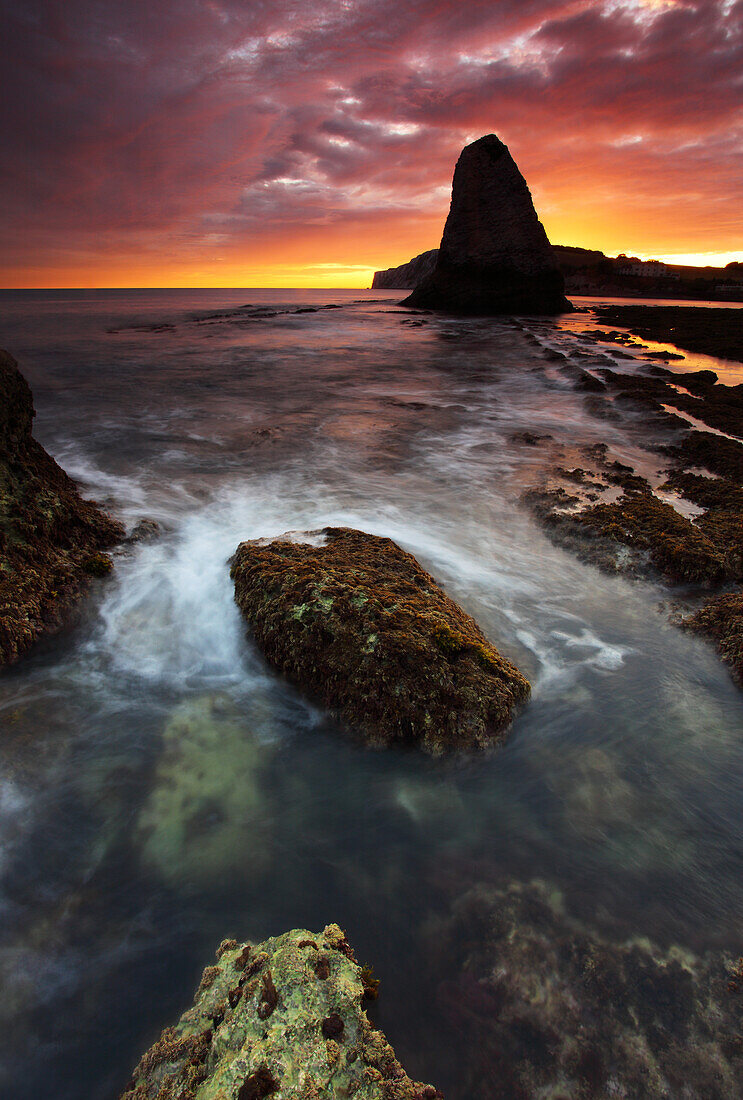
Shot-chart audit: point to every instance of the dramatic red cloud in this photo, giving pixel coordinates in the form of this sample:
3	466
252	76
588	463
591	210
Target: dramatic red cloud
278	142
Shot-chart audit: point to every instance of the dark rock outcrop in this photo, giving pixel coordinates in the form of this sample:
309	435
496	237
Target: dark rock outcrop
357	623
408	275
494	256
283	1018
50	538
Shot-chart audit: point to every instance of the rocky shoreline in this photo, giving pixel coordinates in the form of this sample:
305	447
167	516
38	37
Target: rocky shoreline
687	530
357	624
707	329
52	541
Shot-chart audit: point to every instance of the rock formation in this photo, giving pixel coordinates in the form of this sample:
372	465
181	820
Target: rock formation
50	538
494	256
358	624
555	1007
282	1018
408	275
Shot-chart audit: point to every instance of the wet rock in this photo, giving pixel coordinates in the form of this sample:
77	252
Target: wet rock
316	1043
494	256
358	624
554	1007
145	530
711	452
205	818
712	331
637	534
721	618
50	538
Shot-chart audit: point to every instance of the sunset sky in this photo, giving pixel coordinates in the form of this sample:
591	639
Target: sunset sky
294	143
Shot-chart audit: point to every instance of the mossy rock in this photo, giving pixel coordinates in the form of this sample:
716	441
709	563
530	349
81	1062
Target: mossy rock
50	538
98	565
284	1019
678	549
721	619
356	622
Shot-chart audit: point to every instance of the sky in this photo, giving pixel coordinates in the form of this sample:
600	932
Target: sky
293	143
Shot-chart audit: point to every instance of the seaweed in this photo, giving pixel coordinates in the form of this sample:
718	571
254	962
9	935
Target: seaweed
258	1085
721	618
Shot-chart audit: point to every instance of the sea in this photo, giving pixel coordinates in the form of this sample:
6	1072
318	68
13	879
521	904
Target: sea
161	788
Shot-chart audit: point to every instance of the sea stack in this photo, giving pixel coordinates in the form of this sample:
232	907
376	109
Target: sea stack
494	256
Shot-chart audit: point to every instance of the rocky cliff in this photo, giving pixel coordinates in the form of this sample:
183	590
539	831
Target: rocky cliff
494	255
284	1019
408	275
50	538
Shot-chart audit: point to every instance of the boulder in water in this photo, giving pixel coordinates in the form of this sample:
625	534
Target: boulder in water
356	622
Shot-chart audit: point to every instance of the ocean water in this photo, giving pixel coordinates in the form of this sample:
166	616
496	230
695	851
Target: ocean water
161	788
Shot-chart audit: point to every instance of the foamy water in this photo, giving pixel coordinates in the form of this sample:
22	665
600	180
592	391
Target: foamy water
165	789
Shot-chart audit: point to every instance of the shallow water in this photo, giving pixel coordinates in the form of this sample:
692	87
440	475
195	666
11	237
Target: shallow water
161	789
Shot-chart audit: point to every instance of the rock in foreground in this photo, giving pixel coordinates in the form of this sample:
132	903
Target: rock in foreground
357	623
284	1019
50	538
494	256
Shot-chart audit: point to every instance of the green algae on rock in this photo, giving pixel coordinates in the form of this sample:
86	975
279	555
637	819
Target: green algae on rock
355	620
283	1018
50	538
206	813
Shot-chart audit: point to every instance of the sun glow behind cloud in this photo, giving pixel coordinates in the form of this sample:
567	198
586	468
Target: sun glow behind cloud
283	144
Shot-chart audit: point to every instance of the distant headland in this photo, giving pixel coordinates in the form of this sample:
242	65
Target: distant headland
591	272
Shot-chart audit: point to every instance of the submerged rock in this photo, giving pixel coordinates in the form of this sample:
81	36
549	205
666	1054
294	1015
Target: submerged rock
50	538
494	255
282	1018
356	622
204	820
555	1008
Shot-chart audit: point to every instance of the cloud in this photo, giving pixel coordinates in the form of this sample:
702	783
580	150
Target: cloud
138	131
